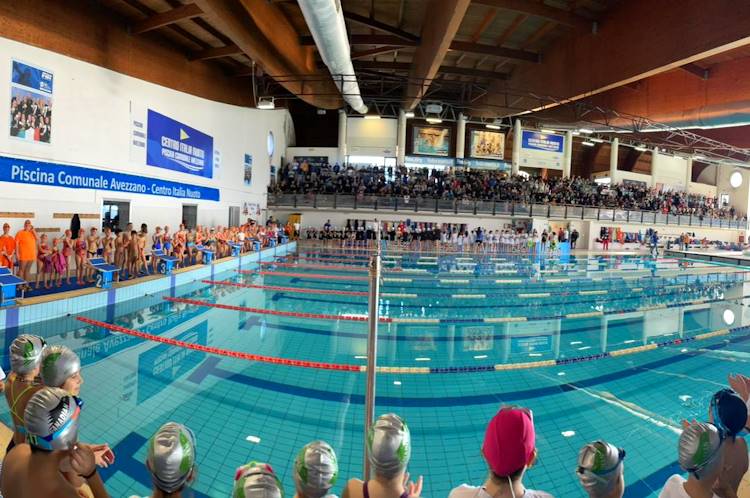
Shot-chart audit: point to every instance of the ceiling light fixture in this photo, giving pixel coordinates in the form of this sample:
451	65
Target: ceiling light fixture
548	131
409	114
596	140
266	103
585	130
587	143
434	120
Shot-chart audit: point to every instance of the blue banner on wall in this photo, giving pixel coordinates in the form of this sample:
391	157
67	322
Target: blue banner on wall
176	146
31	77
542	141
60	175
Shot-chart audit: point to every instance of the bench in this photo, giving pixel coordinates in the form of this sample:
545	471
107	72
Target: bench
105	272
8	284
208	254
166	263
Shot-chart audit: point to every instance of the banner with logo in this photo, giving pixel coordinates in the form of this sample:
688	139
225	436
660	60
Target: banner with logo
431	140
541	150
483	164
487	145
178	147
61	175
248	170
30	103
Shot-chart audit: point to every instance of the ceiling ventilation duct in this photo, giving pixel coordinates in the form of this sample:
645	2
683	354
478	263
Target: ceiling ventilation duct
326	22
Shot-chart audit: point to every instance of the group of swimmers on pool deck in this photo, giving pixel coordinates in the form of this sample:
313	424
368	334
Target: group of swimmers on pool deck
46	459
129	249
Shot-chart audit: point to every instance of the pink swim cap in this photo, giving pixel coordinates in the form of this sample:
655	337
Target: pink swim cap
509	441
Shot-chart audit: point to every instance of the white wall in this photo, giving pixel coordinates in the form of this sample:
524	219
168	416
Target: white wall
330	152
669	170
702	189
371	137
92	128
738	197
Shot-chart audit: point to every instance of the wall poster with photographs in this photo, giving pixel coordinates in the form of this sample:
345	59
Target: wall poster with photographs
487	144
431	140
30	103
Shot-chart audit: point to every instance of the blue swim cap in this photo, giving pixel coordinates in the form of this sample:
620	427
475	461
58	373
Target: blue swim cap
729	412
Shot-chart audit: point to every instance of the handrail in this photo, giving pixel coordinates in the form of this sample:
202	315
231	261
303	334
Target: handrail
497	208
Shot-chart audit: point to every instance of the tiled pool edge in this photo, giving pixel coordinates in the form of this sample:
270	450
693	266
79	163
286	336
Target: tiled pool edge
26	314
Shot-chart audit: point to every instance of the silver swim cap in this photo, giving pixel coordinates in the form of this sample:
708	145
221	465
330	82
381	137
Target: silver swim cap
26	353
315	469
51	419
256	480
171	457
699	448
599	467
389	445
59	363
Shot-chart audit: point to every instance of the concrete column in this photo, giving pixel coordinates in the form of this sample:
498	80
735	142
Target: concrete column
654	169
515	160
460	136
613	151
342	136
688	173
401	138
568	158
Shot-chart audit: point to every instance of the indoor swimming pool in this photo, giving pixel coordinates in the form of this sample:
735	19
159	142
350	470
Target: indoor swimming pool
620	348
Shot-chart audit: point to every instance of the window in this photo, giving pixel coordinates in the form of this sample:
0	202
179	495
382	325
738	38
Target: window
115	215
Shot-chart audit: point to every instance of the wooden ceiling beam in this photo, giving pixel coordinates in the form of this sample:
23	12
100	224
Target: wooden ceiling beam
540	9
696	70
156	21
375	51
405	66
503	38
215	53
481	48
538	34
380	26
486	21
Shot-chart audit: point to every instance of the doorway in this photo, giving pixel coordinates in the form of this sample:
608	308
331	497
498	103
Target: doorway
190	216
115	215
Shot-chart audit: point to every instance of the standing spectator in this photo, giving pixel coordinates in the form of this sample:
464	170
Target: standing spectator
573	238
7	248
26	242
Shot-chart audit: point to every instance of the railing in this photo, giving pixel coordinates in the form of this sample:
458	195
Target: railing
495	208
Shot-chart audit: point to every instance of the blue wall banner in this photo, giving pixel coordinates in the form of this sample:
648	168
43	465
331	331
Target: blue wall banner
483	164
32	77
435	161
176	146
60	175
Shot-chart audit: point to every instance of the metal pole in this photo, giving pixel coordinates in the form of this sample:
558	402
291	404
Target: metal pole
372	343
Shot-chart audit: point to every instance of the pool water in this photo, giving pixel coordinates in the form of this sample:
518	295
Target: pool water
618	348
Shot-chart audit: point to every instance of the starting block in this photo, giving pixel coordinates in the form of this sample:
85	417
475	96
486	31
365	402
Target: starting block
166	263
8	283
236	248
104	277
208	254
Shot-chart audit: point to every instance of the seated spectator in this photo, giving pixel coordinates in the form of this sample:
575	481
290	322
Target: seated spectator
34	469
25	360
509	449
600	470
171	460
256	480
699	454
389	450
315	470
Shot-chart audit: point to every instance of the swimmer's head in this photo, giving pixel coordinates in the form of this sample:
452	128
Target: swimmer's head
389	445
256	480
315	469
171	457
728	411
699	450
26	354
600	469
51	419
61	367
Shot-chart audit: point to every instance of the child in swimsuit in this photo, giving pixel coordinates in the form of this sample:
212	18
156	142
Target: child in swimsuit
80	248
59	264
21	385
43	263
67	252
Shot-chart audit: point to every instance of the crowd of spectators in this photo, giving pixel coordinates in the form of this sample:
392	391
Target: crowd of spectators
46	458
486	185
